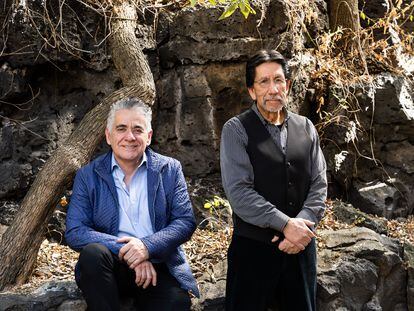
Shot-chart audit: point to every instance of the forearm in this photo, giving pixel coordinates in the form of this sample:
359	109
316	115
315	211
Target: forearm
254	208
163	243
78	237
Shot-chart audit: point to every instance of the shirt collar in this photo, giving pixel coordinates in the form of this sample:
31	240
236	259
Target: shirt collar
264	121
115	164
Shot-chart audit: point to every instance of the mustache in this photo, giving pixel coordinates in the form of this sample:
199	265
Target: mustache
279	98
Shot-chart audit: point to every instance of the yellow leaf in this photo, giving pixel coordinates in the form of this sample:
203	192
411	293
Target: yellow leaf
363	16
244	9
411	18
207	205
229	11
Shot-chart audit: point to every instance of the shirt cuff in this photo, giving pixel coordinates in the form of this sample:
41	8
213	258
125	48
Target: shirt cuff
279	222
308	215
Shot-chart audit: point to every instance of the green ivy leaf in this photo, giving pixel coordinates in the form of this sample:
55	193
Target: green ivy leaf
411	18
228	12
213	2
363	16
193	2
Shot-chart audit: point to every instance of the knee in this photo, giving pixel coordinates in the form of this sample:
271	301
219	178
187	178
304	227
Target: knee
94	257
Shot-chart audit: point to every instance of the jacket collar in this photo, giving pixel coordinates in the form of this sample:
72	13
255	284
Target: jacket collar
104	163
154	167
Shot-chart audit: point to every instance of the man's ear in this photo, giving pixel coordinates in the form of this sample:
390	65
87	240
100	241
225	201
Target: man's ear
107	136
252	93
288	85
149	138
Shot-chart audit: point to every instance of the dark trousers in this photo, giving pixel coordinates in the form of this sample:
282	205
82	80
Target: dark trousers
104	279
260	277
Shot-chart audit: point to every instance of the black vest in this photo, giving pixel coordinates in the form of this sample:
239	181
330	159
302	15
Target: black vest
283	180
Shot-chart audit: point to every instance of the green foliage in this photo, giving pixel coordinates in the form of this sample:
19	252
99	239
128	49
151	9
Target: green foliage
230	6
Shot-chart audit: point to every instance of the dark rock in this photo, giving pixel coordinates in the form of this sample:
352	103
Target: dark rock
56	227
393	100
194	103
212	286
360	270
205	189
409	260
83	34
12	82
13	178
301	67
198	37
47	122
378	198
386	118
374	9
6	140
346	213
48	296
401	155
54	295
7	212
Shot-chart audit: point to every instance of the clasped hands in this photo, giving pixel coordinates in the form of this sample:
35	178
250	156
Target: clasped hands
135	254
297	235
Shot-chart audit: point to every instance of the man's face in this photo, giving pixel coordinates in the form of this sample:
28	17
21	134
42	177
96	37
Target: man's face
270	87
128	136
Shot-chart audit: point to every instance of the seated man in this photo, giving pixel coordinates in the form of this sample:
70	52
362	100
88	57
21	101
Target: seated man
129	213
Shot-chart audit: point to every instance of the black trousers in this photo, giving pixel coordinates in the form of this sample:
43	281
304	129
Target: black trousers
260	277
104	279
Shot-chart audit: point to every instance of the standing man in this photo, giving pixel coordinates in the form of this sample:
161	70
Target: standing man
129	213
274	175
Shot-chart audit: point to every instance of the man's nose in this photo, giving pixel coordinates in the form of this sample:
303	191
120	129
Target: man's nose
273	88
130	135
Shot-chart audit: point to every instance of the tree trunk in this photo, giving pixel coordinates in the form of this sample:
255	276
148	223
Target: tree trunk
344	13
20	243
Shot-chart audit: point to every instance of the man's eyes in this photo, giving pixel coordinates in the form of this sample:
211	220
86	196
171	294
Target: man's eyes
135	130
267	81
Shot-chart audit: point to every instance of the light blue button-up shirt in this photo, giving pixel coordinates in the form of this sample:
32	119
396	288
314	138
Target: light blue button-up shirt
134	217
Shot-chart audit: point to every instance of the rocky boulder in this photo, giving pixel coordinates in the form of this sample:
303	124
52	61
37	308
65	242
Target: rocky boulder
359	269
377	177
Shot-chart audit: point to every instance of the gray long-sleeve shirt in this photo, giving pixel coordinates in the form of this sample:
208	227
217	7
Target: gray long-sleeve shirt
238	178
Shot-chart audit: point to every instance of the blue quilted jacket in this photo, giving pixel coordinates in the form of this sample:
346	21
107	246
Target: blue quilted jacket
93	213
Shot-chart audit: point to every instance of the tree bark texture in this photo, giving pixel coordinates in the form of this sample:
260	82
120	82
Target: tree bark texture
19	245
344	13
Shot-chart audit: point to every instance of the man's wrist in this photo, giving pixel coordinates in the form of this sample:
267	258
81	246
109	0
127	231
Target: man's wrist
285	225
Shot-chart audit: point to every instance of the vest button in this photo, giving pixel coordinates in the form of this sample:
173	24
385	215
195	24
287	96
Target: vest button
290	203
290	184
288	164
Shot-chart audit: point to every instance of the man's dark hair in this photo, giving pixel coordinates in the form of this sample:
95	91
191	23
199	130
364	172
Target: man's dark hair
264	56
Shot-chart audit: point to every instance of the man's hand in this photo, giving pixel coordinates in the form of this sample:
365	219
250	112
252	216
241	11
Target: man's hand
298	232
134	252
145	274
286	246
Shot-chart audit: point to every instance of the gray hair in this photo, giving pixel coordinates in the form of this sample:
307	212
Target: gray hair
131	104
